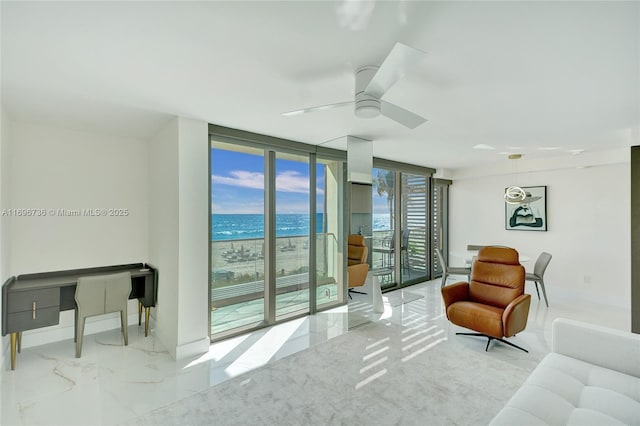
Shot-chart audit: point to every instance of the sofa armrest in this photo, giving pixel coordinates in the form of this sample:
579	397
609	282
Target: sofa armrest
514	317
606	347
455	293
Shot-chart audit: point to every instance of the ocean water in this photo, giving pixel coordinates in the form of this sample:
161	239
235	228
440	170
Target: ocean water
249	226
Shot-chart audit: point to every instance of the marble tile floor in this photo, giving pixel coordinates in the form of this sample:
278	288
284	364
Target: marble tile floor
141	384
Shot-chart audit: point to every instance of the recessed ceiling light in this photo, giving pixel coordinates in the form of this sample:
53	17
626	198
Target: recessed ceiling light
548	148
483	146
576	151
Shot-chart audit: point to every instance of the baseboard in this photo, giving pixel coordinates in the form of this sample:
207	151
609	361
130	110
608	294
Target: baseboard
197	347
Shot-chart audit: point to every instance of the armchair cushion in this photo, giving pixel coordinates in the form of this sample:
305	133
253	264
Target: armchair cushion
357	250
477	316
357	267
357	274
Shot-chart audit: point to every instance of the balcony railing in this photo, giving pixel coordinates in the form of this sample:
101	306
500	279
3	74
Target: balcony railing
238	267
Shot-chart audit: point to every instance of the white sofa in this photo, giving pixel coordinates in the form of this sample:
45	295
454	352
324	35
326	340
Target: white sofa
591	377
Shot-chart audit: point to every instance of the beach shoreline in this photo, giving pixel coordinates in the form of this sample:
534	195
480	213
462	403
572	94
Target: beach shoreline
247	256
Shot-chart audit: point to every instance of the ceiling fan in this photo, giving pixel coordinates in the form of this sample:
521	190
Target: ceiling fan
372	82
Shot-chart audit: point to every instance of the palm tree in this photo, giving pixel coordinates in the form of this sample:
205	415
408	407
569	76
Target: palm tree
385	183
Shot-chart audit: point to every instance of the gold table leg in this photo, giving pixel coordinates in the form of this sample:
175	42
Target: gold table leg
19	341
139	313
13	350
147	311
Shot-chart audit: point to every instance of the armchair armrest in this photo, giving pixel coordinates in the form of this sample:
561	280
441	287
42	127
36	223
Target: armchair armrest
514	317
607	347
455	293
357	274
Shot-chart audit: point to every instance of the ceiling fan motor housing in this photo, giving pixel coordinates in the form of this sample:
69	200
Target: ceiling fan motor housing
366	106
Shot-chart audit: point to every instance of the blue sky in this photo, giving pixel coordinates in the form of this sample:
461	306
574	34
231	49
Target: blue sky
237	185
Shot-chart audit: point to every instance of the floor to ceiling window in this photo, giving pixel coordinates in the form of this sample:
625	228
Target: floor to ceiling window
440	224
276	231
414	258
292	234
383	246
401	223
237	236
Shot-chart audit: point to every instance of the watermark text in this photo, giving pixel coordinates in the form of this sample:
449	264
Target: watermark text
62	212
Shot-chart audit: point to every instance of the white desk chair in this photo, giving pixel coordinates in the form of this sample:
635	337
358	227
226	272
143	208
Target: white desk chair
101	294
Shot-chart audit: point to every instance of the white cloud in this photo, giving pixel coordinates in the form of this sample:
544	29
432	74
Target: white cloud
286	181
241	178
292	181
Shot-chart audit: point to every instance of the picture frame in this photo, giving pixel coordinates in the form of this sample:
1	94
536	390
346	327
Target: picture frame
530	214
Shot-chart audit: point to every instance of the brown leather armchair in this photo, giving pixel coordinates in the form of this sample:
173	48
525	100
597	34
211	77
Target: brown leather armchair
357	267
493	303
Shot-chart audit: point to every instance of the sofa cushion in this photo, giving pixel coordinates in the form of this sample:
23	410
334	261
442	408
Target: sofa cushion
564	390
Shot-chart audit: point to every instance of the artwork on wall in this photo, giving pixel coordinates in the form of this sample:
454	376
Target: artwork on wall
531	213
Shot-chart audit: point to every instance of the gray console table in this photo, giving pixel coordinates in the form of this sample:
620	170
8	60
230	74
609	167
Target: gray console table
35	300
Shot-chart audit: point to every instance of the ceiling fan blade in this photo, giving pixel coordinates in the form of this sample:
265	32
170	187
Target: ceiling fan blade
316	108
401	115
396	64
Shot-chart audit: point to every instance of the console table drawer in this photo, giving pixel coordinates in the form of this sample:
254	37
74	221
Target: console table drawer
21	321
24	300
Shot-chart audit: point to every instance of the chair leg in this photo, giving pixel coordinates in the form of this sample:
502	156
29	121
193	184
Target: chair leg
511	344
123	325
444	279
544	292
359	292
537	291
490	339
79	335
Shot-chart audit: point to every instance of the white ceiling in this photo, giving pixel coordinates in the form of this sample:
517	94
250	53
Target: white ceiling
518	76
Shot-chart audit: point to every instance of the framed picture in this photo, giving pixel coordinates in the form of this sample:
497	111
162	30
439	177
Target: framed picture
531	213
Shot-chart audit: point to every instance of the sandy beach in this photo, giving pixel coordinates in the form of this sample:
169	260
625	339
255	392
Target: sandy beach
247	256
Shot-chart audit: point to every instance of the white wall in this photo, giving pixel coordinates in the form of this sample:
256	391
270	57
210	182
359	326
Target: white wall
178	234
193	187
4	220
588	212
163	229
54	168
64	169
5	175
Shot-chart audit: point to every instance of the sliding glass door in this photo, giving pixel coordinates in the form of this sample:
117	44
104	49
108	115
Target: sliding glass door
276	233
415	228
292	234
384	225
237	237
329	232
401	223
440	225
